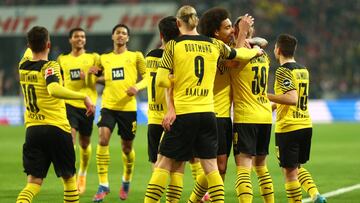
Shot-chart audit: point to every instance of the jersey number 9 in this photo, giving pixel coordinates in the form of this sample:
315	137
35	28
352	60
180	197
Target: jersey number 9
199	68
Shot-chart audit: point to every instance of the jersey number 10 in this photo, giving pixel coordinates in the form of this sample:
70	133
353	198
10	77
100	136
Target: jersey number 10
30	98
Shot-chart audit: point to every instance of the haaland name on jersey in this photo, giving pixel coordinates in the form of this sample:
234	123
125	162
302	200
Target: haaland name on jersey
197	92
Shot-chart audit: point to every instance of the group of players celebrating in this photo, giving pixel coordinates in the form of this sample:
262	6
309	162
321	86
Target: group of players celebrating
192	81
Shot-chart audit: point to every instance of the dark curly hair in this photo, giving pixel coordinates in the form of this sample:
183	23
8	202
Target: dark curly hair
211	20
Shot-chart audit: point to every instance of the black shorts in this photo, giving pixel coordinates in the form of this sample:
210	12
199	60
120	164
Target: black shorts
252	139
154	135
46	144
293	148
126	121
224	126
78	120
191	135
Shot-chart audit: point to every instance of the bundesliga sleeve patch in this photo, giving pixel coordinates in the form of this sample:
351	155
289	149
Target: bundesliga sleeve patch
286	83
49	72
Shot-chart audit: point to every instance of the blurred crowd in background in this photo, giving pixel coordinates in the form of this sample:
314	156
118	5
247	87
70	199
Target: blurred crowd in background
328	32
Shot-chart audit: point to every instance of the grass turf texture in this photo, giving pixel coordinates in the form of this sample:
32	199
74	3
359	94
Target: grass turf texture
334	164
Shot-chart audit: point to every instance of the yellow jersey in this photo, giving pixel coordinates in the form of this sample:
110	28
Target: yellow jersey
249	86
71	66
121	72
222	92
156	95
193	61
292	76
41	108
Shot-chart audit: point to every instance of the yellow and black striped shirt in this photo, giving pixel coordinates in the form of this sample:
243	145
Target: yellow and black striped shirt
193	61
41	107
156	95
249	87
292	76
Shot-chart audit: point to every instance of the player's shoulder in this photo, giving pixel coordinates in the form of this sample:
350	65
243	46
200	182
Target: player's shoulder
292	66
157	53
51	64
38	66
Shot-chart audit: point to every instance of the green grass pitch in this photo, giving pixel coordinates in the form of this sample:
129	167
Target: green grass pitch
334	164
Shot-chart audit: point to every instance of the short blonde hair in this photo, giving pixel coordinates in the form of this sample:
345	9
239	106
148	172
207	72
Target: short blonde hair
188	15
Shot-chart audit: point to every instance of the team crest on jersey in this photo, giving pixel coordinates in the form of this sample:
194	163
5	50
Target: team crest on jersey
286	83
49	72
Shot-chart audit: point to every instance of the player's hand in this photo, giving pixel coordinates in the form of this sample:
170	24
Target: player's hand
169	119
260	51
247	44
131	91
90	107
94	70
245	23
82	75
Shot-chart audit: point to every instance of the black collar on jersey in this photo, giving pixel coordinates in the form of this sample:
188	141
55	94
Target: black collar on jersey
193	38
156	53
33	65
293	65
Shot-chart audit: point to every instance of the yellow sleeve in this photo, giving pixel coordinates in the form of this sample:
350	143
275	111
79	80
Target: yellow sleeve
162	78
141	68
58	91
245	53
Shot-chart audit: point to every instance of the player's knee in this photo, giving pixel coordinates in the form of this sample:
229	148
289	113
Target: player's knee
126	149
222	168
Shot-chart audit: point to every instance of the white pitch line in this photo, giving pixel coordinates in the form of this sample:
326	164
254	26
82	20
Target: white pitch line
336	192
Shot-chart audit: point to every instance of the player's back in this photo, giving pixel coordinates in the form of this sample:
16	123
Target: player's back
250	84
194	61
41	107
292	76
156	95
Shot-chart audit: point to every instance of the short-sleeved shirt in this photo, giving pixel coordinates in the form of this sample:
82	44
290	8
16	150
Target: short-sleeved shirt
193	61
156	95
121	72
249	87
41	107
71	66
292	76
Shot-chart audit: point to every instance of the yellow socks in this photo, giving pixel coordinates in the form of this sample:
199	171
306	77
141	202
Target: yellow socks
85	155
196	169
102	163
200	189
128	162
215	187
157	185
174	188
71	194
307	182
293	192
265	184
28	193
243	185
